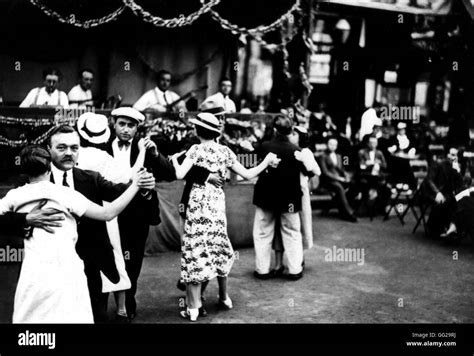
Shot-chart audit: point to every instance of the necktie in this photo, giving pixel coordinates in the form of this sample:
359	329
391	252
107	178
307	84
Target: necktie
65	180
164	97
123	144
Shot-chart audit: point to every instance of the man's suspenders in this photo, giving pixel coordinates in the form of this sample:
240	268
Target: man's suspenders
36	96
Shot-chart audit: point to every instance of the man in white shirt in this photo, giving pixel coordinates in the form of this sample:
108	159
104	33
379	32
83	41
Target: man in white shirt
48	95
160	98
222	97
80	96
368	121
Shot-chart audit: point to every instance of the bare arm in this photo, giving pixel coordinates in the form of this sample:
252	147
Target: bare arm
183	168
107	213
270	159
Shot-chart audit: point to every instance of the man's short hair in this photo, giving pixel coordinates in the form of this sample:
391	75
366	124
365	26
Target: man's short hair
225	79
88	70
283	125
61	129
52	71
332	138
162	72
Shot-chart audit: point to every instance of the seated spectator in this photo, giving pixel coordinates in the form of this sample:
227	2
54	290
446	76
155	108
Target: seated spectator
369	119
372	173
444	180
335	178
462	223
403	143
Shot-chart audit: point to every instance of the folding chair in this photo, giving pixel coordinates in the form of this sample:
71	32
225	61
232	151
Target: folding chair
400	194
420	171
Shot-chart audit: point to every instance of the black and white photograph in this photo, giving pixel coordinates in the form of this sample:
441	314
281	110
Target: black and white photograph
237	170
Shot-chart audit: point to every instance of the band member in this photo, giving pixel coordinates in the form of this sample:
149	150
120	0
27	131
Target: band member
160	98
48	95
222	97
80	96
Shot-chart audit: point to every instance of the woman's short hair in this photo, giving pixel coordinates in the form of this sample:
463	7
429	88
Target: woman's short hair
206	134
35	160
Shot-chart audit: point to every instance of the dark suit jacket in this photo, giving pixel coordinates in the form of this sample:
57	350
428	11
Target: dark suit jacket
329	170
443	178
141	210
279	189
13	223
93	244
379	157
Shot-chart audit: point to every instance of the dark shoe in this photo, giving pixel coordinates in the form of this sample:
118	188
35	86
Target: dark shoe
202	312
295	277
181	286
132	315
349	217
451	239
277	273
121	319
264	276
352	218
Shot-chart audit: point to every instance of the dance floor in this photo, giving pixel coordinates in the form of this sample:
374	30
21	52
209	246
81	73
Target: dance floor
404	278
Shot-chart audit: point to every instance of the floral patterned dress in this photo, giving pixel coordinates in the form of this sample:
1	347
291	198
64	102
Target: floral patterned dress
206	251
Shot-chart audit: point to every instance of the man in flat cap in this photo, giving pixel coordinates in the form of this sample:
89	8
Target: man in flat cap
135	220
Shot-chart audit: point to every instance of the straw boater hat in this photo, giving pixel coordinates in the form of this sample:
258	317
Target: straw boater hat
212	107
208	121
93	128
129	113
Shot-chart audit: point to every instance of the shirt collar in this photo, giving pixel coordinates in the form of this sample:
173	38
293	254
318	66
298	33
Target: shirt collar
59	174
159	91
116	141
43	89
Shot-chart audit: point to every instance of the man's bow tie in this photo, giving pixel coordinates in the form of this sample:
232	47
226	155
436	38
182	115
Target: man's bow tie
122	144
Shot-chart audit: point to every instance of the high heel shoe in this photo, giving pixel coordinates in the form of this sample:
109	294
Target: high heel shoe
191	314
225	304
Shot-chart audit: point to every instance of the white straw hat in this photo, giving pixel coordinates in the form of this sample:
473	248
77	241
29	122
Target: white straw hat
208	121
94	128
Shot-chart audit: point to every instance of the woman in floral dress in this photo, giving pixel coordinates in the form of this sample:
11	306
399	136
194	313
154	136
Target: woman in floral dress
206	251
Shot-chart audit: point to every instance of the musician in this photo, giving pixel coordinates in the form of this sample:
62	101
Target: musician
48	95
160	98
222	97
80	96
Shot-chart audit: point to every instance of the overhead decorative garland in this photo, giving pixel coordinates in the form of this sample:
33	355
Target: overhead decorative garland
257	31
176	21
71	20
173	22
